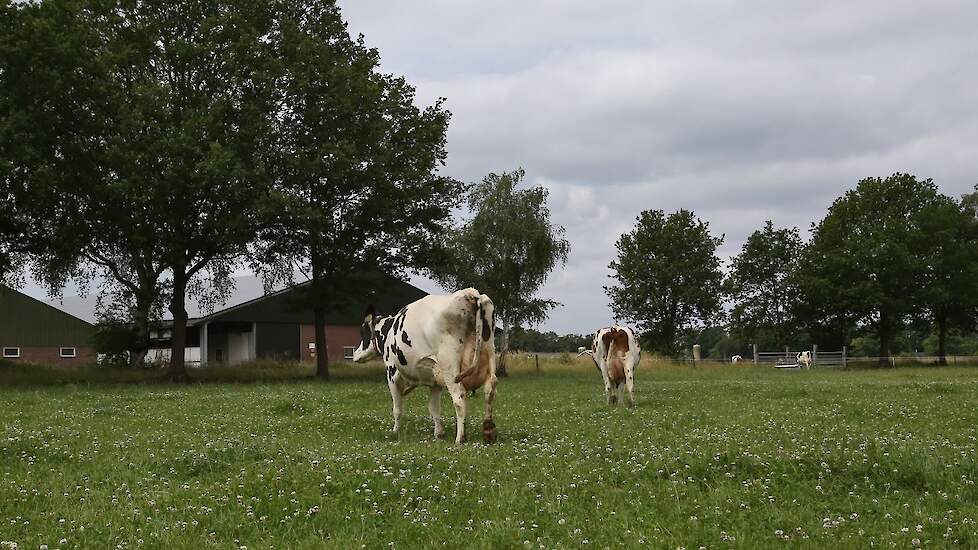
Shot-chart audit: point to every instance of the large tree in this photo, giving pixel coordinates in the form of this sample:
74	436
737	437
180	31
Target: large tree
507	249
355	163
948	244
69	143
148	121
669	277
42	132
822	311
865	257
762	287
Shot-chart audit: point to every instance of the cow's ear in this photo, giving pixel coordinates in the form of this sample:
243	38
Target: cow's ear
368	316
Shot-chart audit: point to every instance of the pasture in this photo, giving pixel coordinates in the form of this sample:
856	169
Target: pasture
713	457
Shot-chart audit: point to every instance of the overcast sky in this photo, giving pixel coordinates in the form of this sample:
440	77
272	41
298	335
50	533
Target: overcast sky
739	111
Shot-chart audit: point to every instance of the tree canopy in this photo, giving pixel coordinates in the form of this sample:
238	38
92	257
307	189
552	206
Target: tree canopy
865	257
355	163
762	287
147	122
948	288
506	250
669	277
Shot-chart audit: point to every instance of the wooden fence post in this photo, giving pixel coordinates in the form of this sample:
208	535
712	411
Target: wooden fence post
756	357
844	360
814	354
537	357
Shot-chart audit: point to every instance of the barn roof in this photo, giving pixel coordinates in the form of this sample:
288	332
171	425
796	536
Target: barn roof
293	304
25	321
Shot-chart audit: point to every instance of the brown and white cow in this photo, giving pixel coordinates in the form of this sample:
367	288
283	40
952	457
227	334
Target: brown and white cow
616	353
442	342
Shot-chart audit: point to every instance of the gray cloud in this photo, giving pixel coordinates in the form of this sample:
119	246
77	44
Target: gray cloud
740	111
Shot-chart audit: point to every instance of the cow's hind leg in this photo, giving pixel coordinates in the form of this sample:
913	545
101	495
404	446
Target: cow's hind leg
488	425
434	408
457	391
608	390
630	387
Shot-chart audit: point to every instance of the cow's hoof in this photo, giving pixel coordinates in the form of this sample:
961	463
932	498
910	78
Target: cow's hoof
489	431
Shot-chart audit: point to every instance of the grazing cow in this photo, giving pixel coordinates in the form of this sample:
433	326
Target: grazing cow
442	342
615	353
804	359
736	359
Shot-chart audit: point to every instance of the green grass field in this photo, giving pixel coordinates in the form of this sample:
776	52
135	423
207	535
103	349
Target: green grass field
715	457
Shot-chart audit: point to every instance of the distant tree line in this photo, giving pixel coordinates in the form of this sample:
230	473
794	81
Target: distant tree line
891	268
531	340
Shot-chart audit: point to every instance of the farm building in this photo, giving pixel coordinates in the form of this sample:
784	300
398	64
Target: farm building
34	332
281	325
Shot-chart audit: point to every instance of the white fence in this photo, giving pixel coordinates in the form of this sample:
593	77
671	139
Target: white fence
788	358
824	359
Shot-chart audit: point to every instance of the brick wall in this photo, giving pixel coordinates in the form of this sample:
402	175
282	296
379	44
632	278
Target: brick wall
52	356
337	336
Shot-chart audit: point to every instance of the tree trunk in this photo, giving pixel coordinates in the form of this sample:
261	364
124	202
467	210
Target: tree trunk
884	335
941	339
503	349
178	369
844	330
322	355
673	345
319	311
137	355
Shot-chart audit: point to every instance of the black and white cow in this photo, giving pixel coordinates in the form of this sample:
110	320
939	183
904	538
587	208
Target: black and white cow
616	353
804	359
442	342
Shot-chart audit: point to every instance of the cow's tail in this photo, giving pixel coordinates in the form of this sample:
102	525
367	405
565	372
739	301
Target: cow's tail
589	353
615	364
484	329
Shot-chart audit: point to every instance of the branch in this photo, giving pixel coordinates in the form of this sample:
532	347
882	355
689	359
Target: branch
113	269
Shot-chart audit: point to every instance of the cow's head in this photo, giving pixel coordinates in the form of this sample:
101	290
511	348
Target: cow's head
368	348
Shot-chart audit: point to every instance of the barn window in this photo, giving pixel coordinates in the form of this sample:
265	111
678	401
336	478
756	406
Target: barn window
348	352
11	352
68	352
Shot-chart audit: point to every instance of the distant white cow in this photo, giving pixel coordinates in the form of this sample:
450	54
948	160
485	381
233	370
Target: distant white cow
616	353
736	359
442	342
804	359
